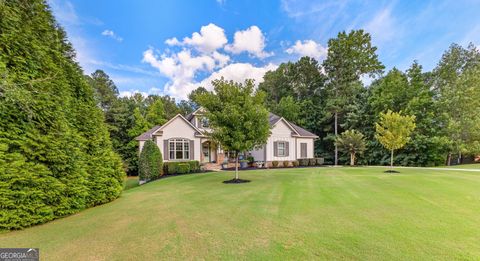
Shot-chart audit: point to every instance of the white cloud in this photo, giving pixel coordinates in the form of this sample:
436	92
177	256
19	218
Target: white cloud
239	72
251	41
113	35
200	60
131	93
308	48
182	68
210	38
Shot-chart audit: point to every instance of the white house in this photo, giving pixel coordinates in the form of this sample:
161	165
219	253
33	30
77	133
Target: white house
183	138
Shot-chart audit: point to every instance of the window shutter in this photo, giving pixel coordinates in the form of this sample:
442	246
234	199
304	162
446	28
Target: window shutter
191	155
275	149
303	150
287	149
166	150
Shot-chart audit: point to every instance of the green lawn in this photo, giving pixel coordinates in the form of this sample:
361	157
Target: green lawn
465	166
311	213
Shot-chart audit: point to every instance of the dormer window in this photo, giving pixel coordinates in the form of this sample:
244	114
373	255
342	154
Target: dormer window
204	122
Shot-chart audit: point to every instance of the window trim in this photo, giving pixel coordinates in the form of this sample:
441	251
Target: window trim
284	144
184	148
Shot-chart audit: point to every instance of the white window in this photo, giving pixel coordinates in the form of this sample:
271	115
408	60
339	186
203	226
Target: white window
179	149
281	148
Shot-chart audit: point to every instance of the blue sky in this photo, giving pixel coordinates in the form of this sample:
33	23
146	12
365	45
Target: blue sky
172	47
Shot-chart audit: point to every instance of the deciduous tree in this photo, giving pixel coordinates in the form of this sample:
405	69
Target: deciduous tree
393	131
237	116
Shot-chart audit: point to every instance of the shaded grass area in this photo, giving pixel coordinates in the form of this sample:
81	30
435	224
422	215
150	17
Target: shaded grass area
130	182
310	213
465	166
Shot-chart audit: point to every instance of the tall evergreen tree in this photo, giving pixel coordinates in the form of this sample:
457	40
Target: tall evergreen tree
56	157
350	56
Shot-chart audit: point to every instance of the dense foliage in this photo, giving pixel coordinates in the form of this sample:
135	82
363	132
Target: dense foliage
444	101
56	157
150	164
237	116
351	142
173	167
393	131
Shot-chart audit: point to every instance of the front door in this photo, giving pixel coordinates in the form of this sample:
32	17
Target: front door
206	151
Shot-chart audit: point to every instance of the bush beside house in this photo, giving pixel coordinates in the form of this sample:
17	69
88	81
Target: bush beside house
181	167
150	163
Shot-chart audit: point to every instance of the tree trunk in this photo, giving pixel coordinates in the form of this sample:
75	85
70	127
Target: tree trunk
449	159
336	134
352	159
459	159
391	160
236	166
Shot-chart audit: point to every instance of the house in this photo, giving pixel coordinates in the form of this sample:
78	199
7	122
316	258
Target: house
183	138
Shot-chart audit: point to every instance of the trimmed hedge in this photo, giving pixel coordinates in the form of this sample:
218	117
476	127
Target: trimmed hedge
183	168
303	162
286	163
274	163
310	162
173	167
295	163
320	161
150	163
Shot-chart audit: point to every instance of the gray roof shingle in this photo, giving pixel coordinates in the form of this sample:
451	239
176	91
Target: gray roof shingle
272	118
148	134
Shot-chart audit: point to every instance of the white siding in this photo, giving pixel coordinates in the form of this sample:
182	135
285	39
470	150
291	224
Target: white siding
178	128
258	155
281	132
310	148
140	146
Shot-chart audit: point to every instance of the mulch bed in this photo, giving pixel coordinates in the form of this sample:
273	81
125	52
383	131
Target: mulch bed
391	171
236	181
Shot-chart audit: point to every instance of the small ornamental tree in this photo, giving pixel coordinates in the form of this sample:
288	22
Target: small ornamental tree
150	163
352	142
237	116
393	131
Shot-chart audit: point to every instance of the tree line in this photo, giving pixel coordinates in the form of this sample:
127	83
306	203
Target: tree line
331	97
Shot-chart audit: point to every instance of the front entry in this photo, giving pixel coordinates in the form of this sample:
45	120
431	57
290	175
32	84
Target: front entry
206	151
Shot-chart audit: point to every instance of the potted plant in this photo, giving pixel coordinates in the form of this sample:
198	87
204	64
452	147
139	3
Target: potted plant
243	164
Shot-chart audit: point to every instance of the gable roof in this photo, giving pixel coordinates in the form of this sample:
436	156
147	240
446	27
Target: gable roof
148	135
273	119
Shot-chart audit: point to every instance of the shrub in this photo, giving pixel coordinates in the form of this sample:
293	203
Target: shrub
312	162
150	163
171	167
320	161
303	162
295	163
183	168
250	159
194	165
275	163
286	163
